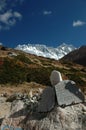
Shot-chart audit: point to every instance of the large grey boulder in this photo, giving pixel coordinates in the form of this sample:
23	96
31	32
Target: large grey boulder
68	93
47	101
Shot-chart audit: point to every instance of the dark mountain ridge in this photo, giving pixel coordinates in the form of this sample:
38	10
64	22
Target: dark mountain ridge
78	56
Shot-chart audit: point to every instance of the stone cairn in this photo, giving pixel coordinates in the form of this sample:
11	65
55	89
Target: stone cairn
23	108
62	93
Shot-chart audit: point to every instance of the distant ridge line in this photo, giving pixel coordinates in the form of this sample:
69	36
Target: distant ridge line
45	51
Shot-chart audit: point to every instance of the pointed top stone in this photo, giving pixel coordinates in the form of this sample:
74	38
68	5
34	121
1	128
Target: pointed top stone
55	77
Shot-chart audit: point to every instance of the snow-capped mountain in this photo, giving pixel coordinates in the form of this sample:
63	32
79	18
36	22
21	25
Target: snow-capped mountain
49	52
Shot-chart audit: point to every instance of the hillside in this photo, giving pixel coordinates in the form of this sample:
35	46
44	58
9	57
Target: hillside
19	69
78	56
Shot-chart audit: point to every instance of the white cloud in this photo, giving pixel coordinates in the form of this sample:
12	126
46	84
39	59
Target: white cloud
78	23
47	12
17	15
9	19
0	43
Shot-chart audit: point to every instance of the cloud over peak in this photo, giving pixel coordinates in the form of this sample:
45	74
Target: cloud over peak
47	12
78	23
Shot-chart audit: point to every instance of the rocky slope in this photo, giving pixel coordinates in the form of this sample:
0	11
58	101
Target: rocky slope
69	118
78	56
18	111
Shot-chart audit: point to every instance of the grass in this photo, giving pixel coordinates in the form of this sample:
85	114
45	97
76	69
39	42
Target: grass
20	69
25	87
12	72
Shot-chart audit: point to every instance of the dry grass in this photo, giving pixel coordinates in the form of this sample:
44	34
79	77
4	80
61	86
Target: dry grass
23	88
67	69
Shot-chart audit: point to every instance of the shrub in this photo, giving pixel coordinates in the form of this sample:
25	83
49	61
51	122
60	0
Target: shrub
39	75
21	57
77	79
11	72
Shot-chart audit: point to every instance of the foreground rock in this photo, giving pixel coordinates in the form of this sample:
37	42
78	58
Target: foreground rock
4	107
47	101
69	118
44	112
68	93
21	116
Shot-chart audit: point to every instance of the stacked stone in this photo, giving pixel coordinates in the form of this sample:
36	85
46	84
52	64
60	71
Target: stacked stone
62	92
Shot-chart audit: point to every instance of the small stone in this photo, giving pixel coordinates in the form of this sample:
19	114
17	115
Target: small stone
55	77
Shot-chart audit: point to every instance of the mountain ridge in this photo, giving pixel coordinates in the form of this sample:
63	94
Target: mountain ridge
45	51
78	56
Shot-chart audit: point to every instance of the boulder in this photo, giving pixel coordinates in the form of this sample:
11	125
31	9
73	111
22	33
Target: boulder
47	101
68	93
68	118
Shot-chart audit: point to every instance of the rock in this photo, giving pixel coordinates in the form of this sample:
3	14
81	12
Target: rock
4	95
16	106
68	118
12	54
55	77
17	114
67	93
4	107
47	101
16	96
20	106
20	118
12	97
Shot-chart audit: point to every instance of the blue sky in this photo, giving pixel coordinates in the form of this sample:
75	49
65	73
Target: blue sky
49	22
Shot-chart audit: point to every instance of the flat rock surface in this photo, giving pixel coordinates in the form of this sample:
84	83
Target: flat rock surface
68	93
47	101
4	107
68	118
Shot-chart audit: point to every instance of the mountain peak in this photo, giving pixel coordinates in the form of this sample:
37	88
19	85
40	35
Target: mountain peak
45	51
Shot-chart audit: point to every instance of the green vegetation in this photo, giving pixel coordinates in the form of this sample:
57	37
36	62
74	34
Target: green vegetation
39	75
22	58
15	71
77	79
11	72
